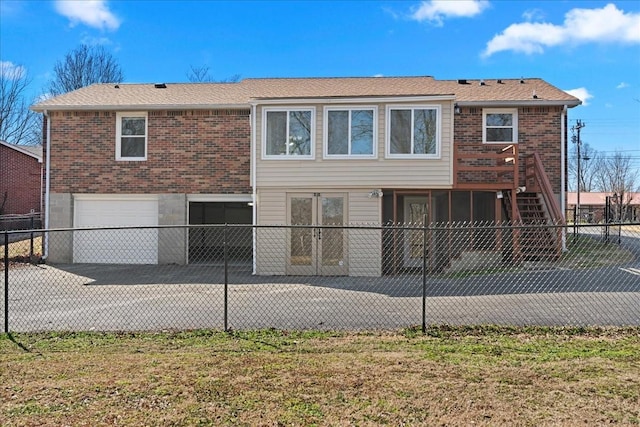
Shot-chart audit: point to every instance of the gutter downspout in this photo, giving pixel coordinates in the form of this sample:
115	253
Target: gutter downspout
563	156
254	195
47	190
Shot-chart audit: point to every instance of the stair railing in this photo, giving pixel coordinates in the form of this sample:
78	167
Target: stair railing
537	177
537	180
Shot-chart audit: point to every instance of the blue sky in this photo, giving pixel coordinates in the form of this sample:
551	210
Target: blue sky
589	48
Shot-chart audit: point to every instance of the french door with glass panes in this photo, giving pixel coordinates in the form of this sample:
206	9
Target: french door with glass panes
415	212
314	250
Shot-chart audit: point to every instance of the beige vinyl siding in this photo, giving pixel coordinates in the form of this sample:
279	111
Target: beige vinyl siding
365	246
271	243
344	173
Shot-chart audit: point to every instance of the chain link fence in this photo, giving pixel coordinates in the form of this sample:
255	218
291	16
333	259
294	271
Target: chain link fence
321	277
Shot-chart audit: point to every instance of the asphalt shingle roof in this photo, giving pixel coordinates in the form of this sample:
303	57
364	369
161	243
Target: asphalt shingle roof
241	94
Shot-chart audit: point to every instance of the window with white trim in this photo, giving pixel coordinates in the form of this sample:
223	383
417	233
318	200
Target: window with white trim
131	136
288	133
350	132
500	126
413	132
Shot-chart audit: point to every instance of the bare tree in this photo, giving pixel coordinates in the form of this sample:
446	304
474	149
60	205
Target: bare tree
18	124
589	161
82	67
616	175
201	74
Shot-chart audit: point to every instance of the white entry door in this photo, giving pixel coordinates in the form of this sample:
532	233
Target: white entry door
131	246
315	250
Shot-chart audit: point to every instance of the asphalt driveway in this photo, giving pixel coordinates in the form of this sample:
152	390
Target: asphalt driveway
172	297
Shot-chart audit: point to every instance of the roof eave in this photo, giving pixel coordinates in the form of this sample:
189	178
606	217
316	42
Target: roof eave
351	99
22	150
138	107
527	103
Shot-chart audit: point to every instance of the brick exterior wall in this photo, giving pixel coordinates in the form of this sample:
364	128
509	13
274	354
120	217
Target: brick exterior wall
539	130
190	151
20	181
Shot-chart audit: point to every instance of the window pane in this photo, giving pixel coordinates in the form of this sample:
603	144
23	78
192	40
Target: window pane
300	133
276	132
133	125
400	132
132	146
362	132
503	119
301	238
332	239
424	132
499	134
338	130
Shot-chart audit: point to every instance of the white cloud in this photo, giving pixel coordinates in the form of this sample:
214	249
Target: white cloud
11	71
608	24
435	11
533	15
582	94
43	97
93	13
622	85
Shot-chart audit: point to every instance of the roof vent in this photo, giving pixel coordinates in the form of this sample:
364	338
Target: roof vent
116	87
160	86
499	81
482	83
521	81
462	82
534	94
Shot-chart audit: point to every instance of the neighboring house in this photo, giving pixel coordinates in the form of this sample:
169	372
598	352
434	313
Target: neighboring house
593	206
20	179
319	151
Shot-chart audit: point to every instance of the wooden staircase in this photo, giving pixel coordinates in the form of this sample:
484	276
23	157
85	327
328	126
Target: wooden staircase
538	221
539	241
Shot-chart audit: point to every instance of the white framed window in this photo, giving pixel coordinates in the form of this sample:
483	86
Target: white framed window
288	133
500	125
350	132
413	132
131	136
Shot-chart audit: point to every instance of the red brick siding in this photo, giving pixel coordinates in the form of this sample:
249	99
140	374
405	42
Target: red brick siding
198	151
539	130
20	180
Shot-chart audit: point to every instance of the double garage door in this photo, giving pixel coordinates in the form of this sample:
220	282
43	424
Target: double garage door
126	246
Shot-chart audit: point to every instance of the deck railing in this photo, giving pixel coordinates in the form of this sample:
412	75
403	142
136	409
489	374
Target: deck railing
499	170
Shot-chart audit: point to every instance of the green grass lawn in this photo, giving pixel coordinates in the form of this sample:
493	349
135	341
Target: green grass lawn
449	376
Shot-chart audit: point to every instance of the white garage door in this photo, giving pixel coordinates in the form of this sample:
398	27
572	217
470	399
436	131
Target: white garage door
139	246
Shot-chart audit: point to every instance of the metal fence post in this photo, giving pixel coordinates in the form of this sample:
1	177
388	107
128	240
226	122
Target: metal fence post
424	275
32	226
6	281
226	280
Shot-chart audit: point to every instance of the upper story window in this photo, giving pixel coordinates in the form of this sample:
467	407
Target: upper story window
500	126
413	132
288	133
131	136
350	132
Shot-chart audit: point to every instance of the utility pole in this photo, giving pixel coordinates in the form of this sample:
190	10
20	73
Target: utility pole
575	130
